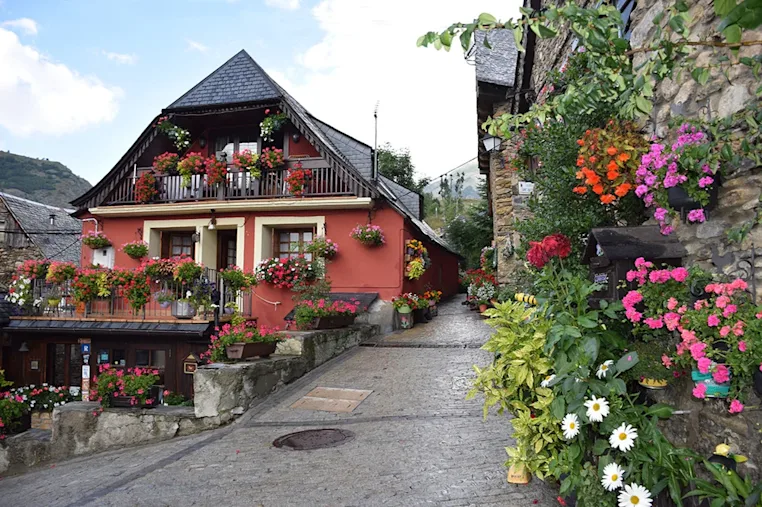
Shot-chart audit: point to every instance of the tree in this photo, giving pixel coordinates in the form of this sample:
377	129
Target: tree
471	231
451	194
396	165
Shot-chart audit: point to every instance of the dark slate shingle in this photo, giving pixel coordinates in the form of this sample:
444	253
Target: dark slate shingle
496	65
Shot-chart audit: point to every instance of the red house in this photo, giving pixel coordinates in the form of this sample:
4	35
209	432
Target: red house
242	220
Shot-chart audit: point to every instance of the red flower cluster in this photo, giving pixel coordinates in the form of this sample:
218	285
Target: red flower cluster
297	179
554	245
216	171
477	277
145	187
271	158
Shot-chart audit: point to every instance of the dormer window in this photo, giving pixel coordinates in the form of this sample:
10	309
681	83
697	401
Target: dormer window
227	144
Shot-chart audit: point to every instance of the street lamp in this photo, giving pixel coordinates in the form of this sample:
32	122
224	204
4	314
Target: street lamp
491	143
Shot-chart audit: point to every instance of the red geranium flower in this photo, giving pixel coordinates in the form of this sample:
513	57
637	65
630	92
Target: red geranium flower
537	255
557	245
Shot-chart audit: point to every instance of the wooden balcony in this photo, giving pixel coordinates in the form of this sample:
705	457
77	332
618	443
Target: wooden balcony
324	182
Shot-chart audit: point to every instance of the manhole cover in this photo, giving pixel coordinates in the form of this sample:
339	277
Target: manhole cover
314	439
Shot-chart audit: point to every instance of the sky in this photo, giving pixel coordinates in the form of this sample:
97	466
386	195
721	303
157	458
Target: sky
81	79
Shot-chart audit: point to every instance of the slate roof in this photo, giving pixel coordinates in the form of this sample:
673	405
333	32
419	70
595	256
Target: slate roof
496	65
34	219
238	80
93	326
358	153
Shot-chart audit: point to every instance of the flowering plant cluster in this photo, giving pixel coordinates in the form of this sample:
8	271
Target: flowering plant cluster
237	280
487	259
186	270
719	335
145	187
178	135
419	260
135	383
368	234
43	398
322	247
242	332
273	122
136	249
12	408
216	170
191	164
297	179
20	293
61	272
160	270
271	158
433	295
307	311
33	269
607	160
89	284
247	160
687	163
166	163
551	246
95	240
285	273
477	277
408	300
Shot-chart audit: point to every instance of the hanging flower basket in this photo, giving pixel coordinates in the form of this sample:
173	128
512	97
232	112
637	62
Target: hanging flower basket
369	235
145	188
95	240
135	249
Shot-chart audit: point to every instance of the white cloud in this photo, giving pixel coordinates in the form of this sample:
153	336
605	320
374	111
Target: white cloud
368	53
122	58
283	4
196	46
25	25
38	95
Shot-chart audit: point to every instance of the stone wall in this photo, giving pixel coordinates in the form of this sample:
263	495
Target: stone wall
11	258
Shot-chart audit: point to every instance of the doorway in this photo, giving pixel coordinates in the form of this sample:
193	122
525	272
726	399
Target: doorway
226	249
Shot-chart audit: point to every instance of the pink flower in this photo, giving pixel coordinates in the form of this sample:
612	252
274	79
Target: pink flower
738	328
682	309
739	284
736	407
700	391
640	262
666	361
742	346
722	302
725	331
729	310
696	215
713	321
672	303
671	320
654	323
698	305
632	298
659	276
697	350
704	364
633	316
721	374
679	274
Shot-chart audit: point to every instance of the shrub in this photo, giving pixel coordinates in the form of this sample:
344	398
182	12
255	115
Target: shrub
244	332
136	383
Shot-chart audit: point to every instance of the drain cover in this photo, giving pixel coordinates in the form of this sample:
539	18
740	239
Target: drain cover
314	439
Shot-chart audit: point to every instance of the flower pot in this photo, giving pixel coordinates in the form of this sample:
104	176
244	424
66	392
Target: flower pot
54	302
758	382
42	420
183	310
482	308
404	309
518	474
406	320
165	304
229	310
334	321
713	389
419	316
654	384
679	199
246	350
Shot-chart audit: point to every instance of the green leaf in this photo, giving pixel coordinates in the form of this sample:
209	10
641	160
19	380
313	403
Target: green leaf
658	18
572	331
587	322
558	408
643	104
627	361
619	386
600	446
677	23
723	7
518	35
486	18
590	346
660	410
701	75
732	34
681	6
446	38
546	32
747	14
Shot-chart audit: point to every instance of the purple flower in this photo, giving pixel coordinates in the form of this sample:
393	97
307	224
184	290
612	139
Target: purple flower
641	190
660	214
705	181
671	181
650	180
696	215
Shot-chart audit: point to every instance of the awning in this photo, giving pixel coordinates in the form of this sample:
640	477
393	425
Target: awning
107	327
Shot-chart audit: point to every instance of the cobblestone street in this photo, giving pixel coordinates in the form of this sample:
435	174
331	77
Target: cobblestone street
417	441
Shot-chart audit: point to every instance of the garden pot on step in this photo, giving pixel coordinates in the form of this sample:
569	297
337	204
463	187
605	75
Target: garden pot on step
419	316
246	350
482	308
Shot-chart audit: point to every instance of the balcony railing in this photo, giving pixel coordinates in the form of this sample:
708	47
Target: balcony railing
57	301
324	182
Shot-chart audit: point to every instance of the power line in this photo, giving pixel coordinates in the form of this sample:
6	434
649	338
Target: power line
440	176
63	249
54	232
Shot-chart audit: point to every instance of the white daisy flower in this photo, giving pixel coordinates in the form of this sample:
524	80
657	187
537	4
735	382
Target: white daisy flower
635	495
612	477
597	409
547	381
570	426
623	438
604	368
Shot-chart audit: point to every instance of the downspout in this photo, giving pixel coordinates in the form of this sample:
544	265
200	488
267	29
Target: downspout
91	220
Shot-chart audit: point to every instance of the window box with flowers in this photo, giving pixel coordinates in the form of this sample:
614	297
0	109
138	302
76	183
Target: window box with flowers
166	163
369	235
325	314
136	249
323	248
273	122
95	240
241	340
216	172
247	161
146	187
297	179
135	388
271	159
191	165
286	273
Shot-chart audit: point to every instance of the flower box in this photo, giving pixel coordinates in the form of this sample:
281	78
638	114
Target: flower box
42	420
713	389
183	310
334	321
126	402
678	199
246	350
421	316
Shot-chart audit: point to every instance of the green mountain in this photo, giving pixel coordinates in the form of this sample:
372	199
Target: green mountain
40	180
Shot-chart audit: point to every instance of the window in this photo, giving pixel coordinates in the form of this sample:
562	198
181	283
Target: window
181	244
229	144
290	243
152	358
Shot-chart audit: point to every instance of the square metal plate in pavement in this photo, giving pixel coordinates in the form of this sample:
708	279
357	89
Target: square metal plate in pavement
331	399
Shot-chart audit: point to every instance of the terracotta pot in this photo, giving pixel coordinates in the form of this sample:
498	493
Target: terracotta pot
246	350
482	308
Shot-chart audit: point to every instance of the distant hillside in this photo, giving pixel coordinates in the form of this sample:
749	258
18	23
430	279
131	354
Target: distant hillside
470	185
40	180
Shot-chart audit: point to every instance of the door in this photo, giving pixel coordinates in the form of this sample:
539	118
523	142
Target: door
226	249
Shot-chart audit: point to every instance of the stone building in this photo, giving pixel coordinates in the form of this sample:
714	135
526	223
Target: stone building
32	230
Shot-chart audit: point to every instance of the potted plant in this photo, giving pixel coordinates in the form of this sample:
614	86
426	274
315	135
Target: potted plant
421	312
95	240
272	123
484	294
230	307
216	171
271	159
135	387
184	308
322	247
41	402
369	235
433	297
286	273
297	179
179	136
247	161
160	270
193	163
241	340
164	297
14	415
60	272
33	269
145	187
404	304
166	163
323	313
136	249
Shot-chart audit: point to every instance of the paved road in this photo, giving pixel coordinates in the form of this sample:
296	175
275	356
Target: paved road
417	442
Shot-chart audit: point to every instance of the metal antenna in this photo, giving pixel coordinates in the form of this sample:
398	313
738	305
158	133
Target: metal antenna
375	147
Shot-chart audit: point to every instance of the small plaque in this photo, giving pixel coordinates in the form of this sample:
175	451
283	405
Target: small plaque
189	368
526	187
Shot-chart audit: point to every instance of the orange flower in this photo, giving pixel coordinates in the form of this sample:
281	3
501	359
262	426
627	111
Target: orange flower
612	166
607	199
623	157
593	159
612	175
592	179
579	190
587	132
580	142
580	175
598	189
580	161
622	189
611	150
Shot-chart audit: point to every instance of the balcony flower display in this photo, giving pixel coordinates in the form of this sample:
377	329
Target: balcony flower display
166	163
95	240
607	160
216	171
193	163
688	165
136	249
237	280
89	284
231	336
272	123
369	235
137	290
135	384
322	247
20	293
271	159
186	270
248	161
297	179
285	273
145	187
178	135
61	272
33	269
307	313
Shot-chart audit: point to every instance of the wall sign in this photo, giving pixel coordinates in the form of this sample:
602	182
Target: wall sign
526	187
